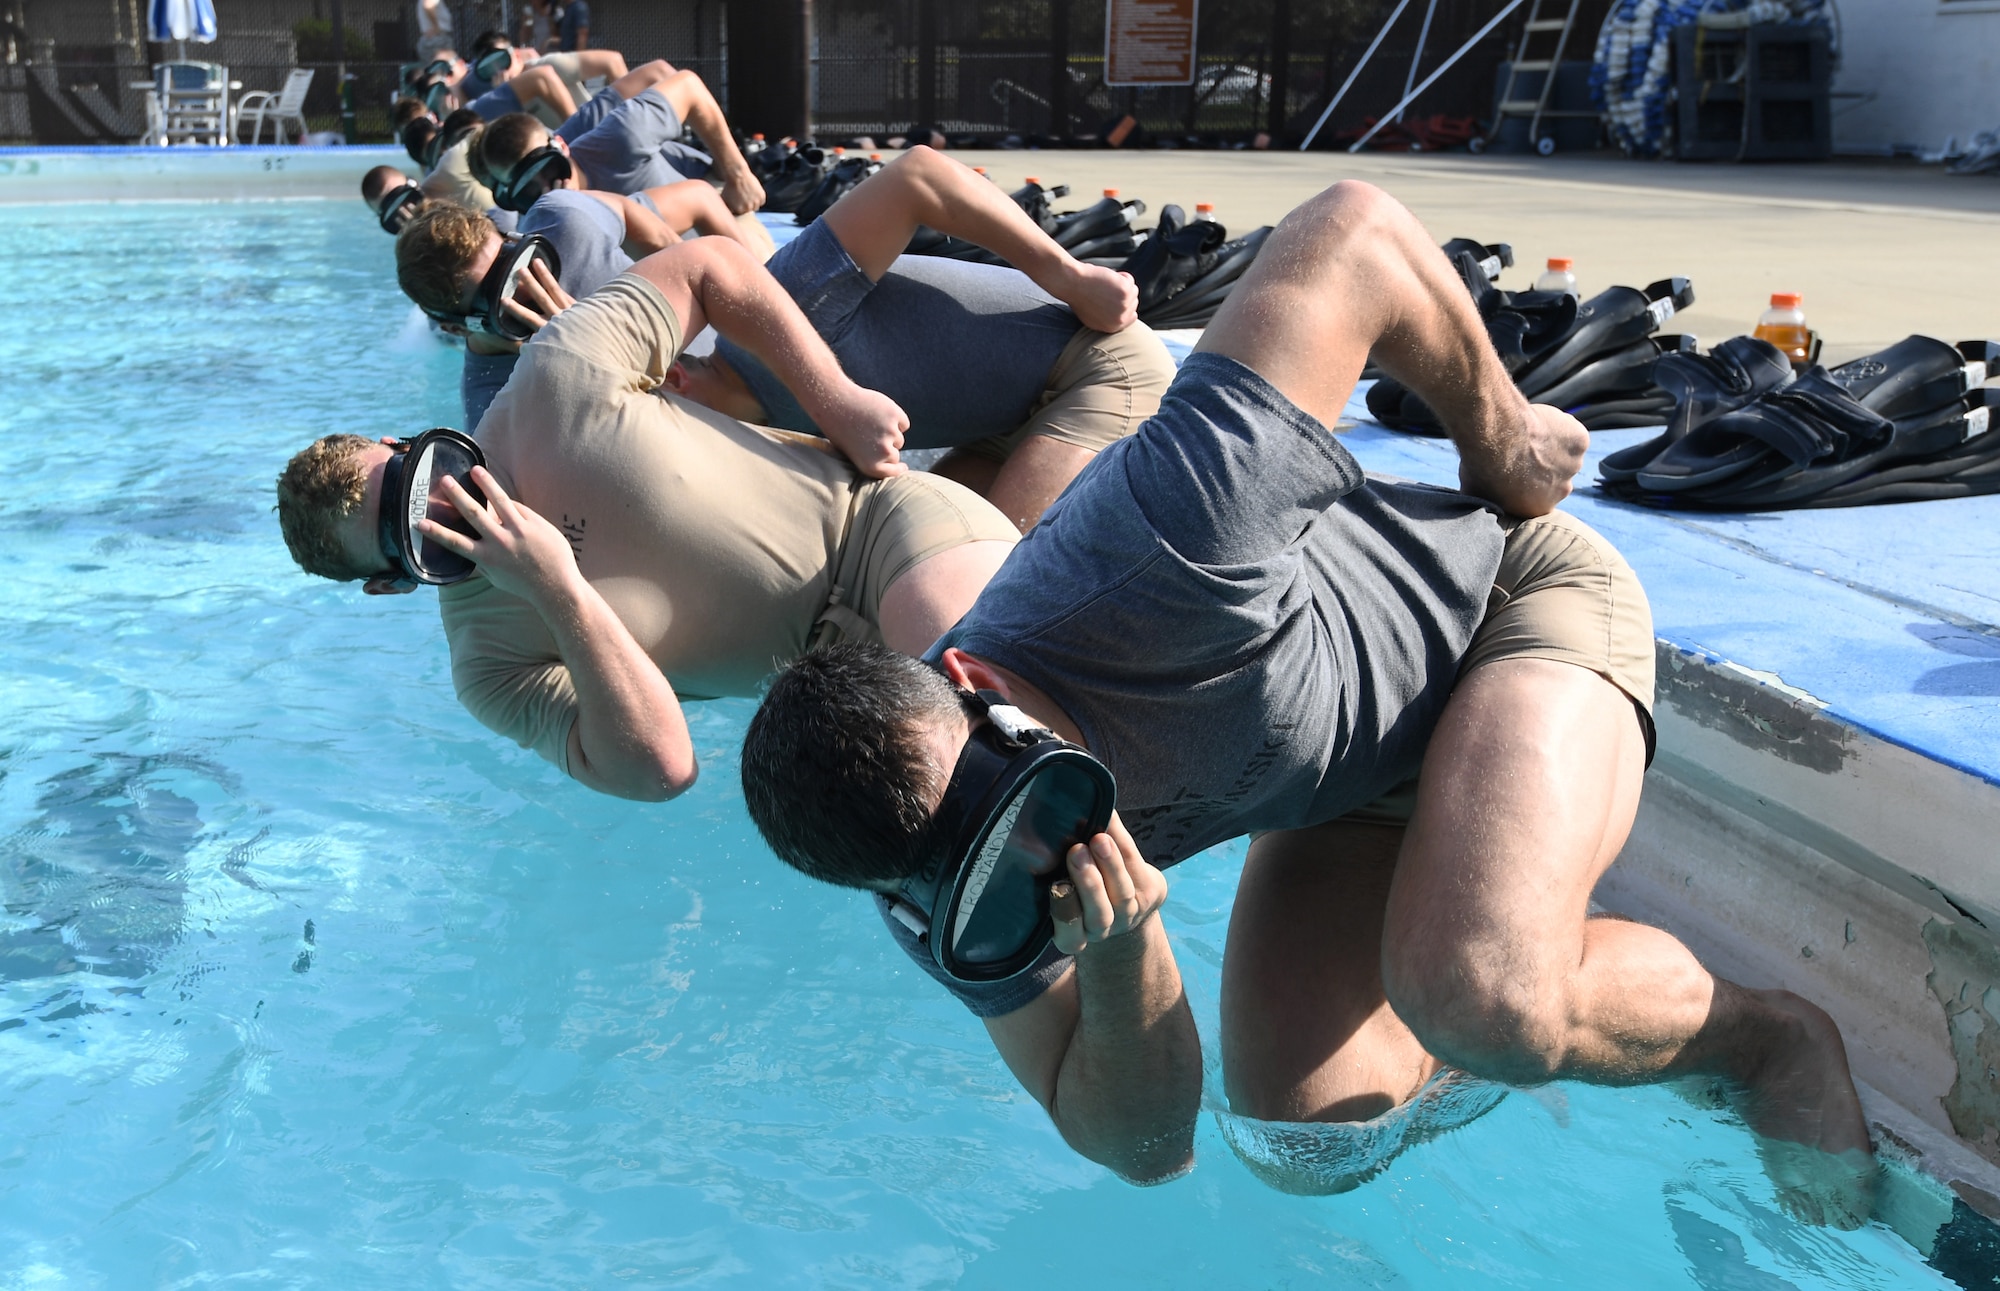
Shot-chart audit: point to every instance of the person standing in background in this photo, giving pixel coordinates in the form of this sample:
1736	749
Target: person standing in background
433	29
575	26
538	26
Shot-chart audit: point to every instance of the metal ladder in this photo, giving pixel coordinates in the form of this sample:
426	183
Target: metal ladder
1538	107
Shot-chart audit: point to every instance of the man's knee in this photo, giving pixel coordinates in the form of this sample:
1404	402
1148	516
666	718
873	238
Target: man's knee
685	89
1355	215
1475	1008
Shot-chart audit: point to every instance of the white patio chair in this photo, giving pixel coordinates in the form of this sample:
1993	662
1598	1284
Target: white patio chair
285	106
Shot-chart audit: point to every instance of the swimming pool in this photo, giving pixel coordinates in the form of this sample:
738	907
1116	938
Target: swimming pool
309	981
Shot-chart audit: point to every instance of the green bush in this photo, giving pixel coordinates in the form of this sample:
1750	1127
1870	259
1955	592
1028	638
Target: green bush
315	38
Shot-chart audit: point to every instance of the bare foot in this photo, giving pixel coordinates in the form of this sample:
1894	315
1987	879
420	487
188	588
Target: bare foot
741	192
1797	1097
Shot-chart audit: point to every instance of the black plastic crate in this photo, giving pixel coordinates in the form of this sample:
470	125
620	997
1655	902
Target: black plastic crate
1755	94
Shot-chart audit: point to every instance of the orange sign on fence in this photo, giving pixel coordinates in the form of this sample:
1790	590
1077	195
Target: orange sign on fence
1149	42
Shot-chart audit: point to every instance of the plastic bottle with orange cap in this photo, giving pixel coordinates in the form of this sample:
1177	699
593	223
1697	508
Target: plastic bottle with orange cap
1559	276
1784	325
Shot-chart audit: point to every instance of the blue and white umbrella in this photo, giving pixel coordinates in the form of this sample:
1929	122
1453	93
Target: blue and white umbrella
181	20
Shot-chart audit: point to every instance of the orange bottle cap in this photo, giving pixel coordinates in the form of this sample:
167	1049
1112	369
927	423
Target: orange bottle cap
874	156
1562	264
1030	179
759	138
840	152
1786	300
1204	208
1111	192
979	170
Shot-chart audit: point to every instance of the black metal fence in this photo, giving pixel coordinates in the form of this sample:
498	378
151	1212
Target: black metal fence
1032	69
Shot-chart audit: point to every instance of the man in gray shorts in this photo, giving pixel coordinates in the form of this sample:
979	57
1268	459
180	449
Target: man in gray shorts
637	145
1026	373
1256	638
596	236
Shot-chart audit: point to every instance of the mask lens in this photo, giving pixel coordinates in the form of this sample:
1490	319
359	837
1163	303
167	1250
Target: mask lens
1003	905
504	280
437	458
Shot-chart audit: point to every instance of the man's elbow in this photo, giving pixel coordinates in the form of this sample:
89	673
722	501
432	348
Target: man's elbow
653	775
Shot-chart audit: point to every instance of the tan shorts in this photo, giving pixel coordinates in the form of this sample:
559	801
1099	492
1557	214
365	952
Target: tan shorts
895	525
1562	593
1101	389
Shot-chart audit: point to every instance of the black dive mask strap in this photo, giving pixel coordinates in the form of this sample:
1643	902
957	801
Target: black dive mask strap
386	512
531	177
399	208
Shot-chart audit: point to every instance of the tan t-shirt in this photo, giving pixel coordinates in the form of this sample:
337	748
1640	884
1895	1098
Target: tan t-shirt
711	540
452	181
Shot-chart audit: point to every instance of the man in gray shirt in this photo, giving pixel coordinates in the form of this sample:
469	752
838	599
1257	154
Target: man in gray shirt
1026	372
1257	638
441	258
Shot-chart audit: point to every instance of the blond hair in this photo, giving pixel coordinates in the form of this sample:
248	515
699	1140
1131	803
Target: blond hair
321	488
434	255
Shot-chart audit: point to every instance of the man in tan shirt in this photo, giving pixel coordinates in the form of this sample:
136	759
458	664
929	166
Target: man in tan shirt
637	549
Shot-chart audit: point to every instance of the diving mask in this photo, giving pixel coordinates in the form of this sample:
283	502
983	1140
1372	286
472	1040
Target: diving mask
517	253
1018	800
410	481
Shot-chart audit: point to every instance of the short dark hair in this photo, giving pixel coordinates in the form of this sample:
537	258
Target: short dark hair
417	135
837	771
406	110
379	181
505	142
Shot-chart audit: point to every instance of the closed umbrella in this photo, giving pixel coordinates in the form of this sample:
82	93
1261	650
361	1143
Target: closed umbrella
181	21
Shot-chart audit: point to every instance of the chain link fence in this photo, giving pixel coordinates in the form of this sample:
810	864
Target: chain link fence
73	71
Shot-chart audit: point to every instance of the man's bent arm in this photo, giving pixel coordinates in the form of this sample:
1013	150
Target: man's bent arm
716	282
1111	1051
875	222
631	737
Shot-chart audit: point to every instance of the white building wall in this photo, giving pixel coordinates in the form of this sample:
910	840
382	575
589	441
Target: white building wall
1926	69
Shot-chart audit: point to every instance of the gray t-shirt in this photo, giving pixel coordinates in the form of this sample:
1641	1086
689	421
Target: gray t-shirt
1248	631
588	237
965	349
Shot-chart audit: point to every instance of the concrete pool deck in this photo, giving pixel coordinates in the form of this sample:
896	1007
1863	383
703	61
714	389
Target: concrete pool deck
1825	811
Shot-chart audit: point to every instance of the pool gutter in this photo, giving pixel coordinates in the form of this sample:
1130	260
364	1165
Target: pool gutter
36	175
1789	848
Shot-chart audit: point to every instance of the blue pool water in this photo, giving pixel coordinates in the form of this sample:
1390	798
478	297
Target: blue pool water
307	981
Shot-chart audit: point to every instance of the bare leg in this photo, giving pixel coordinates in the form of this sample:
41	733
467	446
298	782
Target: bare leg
1034	474
975	471
542	83
1352	271
593	63
1307	1032
694	204
644	77
696	106
1529	788
918	607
